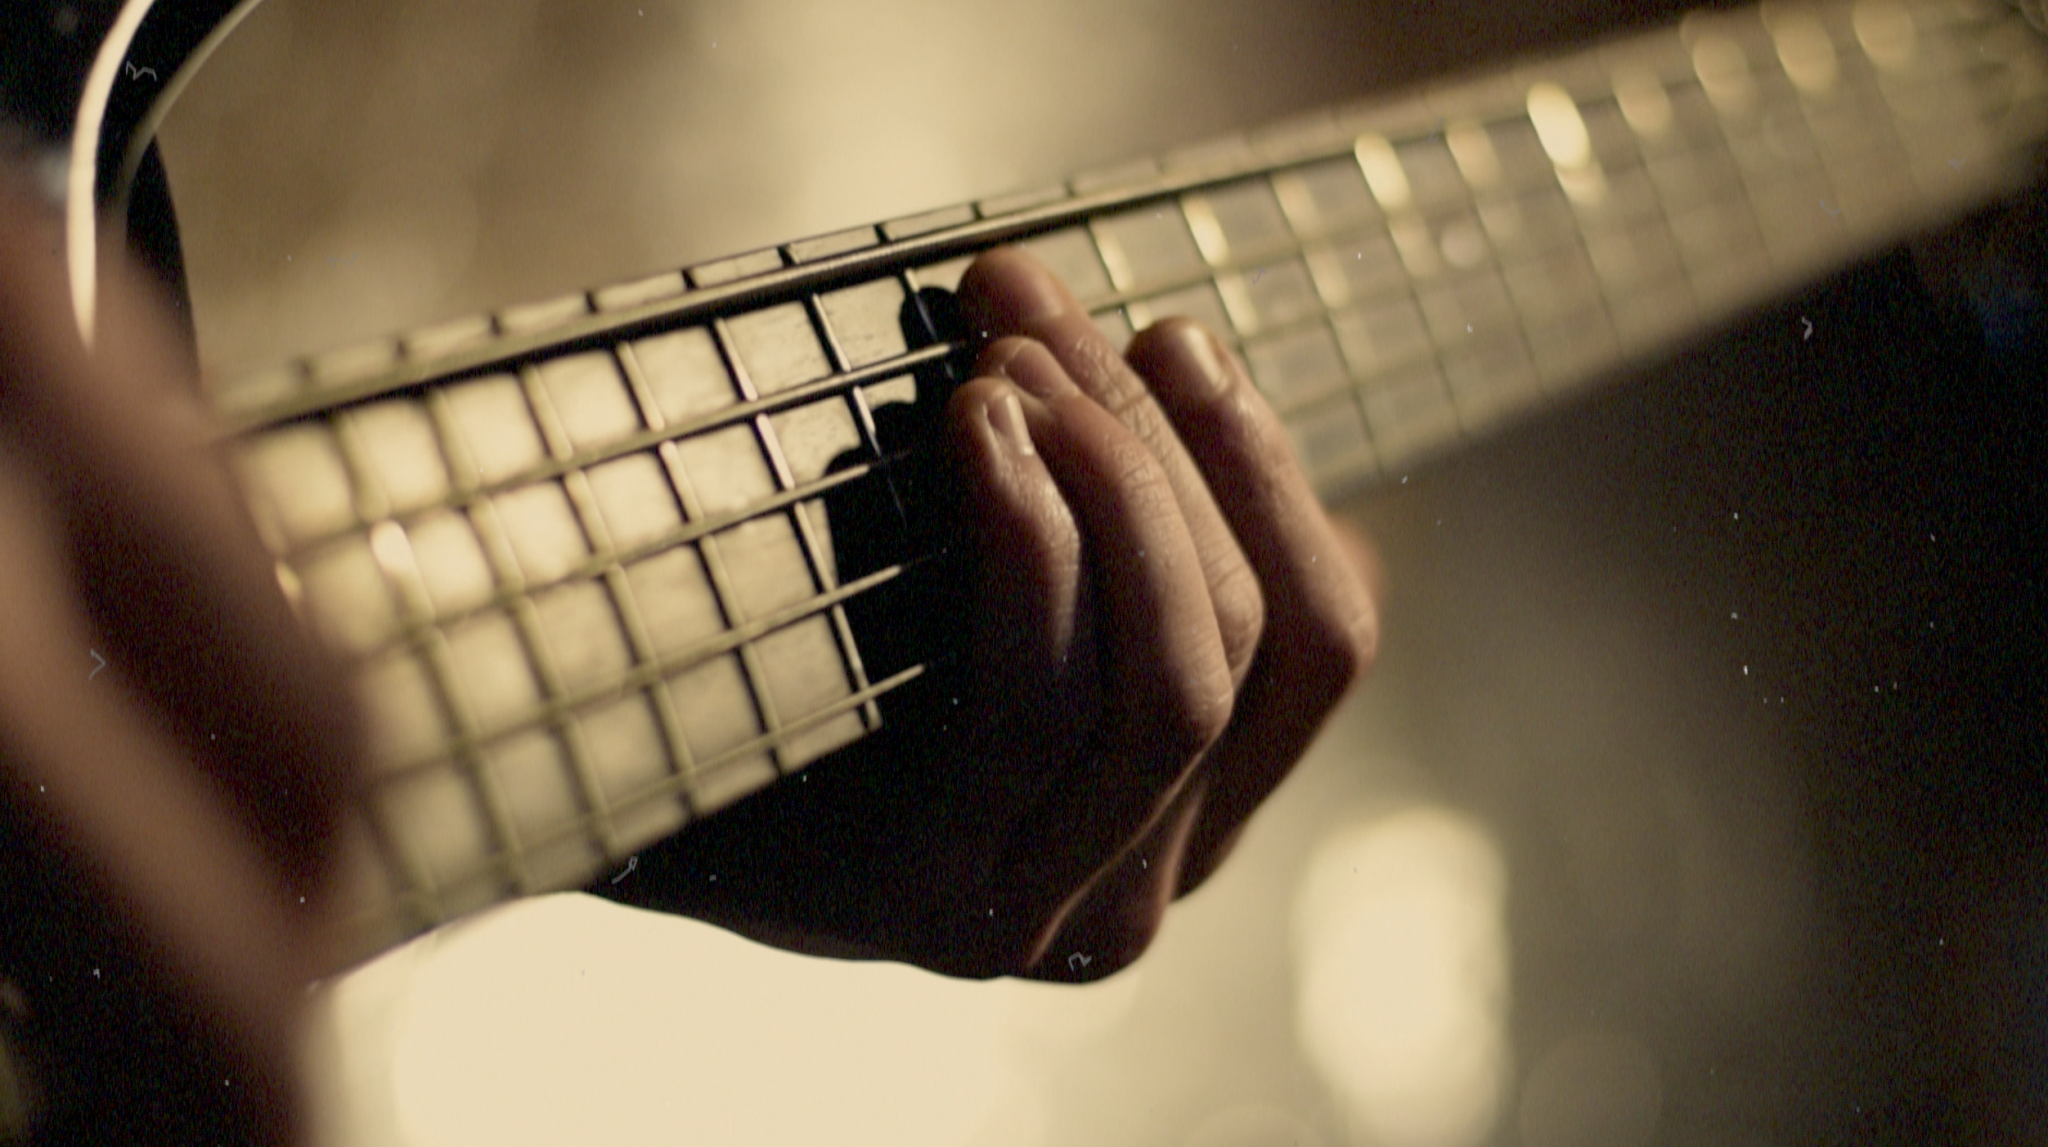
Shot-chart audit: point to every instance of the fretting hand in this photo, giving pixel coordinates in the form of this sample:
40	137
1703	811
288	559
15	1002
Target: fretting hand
1164	617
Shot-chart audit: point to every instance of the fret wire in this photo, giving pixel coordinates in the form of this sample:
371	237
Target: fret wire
509	587
582	770
439	660
1297	218
827	579
541	407
415	882
1112	268
462	465
714	560
1604	288
871	439
552	467
1764	75
370	502
681	758
734	638
643	394
1717	260
400	860
681	762
807	543
863	416
693	512
1115	262
1578	249
1471	421
1704	268
508	584
1217	252
437	652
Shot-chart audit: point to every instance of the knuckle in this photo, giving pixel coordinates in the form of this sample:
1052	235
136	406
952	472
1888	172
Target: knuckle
1096	366
1136	471
1201	711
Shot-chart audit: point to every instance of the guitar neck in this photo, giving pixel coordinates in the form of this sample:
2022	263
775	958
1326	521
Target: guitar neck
613	561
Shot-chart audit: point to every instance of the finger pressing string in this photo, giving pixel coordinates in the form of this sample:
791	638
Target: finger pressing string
1008	293
1165	665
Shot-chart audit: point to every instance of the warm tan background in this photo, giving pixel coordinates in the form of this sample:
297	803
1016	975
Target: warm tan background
1590	862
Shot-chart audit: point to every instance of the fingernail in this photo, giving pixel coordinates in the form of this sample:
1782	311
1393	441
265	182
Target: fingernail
1006	418
1203	356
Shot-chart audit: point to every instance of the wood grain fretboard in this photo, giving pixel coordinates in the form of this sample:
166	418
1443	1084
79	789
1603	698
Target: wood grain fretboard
604	558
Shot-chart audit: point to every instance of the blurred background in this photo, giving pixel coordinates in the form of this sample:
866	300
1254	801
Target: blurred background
1691	803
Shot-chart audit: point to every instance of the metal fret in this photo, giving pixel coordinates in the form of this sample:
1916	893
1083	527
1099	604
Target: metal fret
626	491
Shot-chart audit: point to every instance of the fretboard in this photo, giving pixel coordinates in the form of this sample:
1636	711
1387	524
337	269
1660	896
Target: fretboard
611	562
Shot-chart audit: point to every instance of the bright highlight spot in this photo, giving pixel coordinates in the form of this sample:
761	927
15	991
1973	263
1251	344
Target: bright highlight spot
1885	29
1644	103
1473	149
1403	966
1724	72
1806	51
1383	172
1559	126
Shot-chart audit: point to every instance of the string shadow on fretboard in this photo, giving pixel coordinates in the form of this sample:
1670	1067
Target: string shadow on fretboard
801	857
909	508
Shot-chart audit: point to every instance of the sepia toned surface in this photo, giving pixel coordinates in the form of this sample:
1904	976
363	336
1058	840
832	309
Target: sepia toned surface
1594	904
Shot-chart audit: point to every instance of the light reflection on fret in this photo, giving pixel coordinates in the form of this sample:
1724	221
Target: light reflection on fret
598	588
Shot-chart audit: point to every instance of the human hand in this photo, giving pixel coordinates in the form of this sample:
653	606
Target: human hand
168	825
1164	617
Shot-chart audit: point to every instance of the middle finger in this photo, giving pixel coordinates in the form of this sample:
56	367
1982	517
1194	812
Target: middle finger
1008	292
